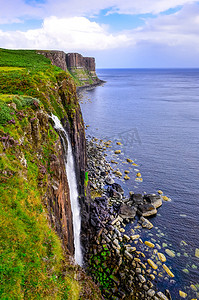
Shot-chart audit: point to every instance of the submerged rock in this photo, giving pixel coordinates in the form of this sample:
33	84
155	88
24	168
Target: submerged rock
171	253
149	244
145	223
118	151
168	271
129	160
126	177
161	257
197	252
182	294
152	264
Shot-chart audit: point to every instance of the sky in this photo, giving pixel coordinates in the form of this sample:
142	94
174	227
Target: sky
119	34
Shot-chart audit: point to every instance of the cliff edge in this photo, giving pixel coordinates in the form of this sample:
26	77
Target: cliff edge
81	68
36	232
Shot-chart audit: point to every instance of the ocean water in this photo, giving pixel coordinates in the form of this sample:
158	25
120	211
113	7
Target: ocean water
155	115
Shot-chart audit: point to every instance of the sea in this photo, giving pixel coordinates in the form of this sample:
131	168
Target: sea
154	114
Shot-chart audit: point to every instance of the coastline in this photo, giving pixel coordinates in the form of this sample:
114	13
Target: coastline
123	263
89	86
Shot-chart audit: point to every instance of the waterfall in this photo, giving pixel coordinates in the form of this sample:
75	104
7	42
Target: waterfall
72	182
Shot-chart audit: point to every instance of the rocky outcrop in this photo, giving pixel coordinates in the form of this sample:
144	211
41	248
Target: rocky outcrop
76	60
81	68
58	58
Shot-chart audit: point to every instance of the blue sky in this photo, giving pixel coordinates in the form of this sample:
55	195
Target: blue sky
130	34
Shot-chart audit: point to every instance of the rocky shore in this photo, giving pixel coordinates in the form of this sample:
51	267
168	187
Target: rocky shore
119	260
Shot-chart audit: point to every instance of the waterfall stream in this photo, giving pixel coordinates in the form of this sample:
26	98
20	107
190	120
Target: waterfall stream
71	176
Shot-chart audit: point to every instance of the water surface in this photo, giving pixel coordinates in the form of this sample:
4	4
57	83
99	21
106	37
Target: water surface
155	114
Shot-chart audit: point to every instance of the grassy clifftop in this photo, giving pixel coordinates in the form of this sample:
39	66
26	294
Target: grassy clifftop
33	263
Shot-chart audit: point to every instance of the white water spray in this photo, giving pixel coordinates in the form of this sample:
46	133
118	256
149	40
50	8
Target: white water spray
71	176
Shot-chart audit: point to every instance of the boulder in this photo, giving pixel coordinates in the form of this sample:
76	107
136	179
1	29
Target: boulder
118	188
153	199
137	199
109	180
113	193
146	210
127	212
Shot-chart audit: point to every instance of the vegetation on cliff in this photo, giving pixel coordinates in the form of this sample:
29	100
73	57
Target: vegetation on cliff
33	262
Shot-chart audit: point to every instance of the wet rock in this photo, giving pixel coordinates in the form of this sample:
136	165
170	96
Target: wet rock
149	244
161	257
141	278
135	237
109	180
152	264
170	252
146	223
137	199
162	296
197	252
128	255
113	193
167	293
153	199
168	270
182	294
118	188
146	210
150	293
117	151
127	211
129	160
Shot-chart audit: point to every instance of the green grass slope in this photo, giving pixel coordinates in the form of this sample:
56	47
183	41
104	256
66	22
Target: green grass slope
33	264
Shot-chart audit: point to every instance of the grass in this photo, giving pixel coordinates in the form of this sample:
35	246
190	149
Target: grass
32	261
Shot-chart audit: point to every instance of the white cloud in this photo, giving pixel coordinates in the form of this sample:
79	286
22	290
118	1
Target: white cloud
16	9
69	34
179	29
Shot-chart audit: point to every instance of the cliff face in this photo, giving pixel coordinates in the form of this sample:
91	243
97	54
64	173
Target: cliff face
35	202
76	60
58	58
81	68
74	125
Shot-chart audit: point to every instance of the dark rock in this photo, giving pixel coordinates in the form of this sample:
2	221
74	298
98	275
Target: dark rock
137	199
109	180
127	211
167	293
58	58
118	188
153	199
103	173
113	193
103	201
146	210
116	207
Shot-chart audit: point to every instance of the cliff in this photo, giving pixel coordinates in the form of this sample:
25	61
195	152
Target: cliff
81	68
36	232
